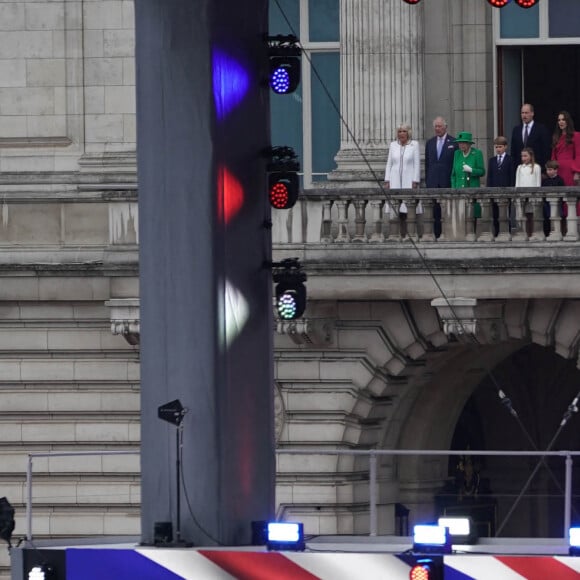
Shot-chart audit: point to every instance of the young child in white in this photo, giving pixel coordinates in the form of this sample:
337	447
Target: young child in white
528	174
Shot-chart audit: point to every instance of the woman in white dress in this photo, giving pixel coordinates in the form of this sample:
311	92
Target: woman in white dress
403	169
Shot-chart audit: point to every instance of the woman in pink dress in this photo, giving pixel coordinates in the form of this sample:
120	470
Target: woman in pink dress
566	149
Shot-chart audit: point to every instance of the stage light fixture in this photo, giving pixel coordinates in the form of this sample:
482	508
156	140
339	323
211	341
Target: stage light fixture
461	529
426	569
285	536
431	539
7	523
290	289
498	3
41	572
526	3
283	183
574	541
284	63
412	1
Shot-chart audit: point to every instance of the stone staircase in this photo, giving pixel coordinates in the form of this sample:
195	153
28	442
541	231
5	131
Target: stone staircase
68	385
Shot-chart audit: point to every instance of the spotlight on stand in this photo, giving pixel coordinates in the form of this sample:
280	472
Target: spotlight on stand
431	539
173	412
6	521
283	186
285	536
574	541
461	529
290	289
284	63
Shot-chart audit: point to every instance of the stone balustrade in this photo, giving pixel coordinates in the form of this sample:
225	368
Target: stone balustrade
373	216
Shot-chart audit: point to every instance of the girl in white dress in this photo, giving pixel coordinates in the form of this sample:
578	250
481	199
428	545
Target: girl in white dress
528	174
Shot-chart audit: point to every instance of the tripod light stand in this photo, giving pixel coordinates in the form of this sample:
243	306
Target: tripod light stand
174	412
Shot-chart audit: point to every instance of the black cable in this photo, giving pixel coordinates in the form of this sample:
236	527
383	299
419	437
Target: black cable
572	408
472	342
195	520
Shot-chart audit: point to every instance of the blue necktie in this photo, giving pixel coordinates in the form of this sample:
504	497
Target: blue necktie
439	147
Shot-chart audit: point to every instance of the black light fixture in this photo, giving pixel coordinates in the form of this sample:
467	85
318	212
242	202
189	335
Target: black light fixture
412	1
173	412
284	63
7	523
290	289
283	185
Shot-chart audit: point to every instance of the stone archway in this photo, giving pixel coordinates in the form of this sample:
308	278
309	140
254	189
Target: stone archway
382	374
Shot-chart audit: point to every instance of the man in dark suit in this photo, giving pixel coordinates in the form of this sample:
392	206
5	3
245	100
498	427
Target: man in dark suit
533	135
501	171
439	152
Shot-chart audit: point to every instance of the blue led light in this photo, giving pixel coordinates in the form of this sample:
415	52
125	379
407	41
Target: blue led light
285	536
280	80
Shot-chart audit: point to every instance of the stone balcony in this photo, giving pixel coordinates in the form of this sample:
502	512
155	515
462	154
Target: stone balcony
371	216
335	233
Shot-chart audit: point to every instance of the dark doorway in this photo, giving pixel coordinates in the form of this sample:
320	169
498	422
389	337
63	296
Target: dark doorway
551	82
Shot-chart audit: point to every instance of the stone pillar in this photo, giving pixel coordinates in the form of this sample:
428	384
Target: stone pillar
381	67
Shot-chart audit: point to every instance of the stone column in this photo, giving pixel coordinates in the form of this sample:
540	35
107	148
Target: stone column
381	67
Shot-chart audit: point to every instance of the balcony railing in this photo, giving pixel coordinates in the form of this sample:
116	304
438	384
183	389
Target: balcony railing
466	215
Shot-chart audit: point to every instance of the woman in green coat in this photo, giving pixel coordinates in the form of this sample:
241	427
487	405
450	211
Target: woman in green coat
468	164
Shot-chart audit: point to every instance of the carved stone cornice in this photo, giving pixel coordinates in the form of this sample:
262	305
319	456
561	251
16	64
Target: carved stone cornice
125	318
306	331
457	315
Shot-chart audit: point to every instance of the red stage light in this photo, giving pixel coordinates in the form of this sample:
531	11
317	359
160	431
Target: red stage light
230	195
420	572
526	3
498	3
412	1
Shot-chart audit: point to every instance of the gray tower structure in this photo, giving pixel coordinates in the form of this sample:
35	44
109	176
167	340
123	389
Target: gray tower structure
206	323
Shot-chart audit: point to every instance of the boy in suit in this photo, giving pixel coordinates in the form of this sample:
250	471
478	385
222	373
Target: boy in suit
500	173
553	180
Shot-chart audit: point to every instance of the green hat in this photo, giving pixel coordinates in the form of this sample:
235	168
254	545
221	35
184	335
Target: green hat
464	137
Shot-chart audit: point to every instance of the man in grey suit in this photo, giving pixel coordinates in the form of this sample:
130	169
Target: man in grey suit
439	152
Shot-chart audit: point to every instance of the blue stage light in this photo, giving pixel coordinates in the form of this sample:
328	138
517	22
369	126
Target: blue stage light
284	63
461	529
431	539
285	536
574	540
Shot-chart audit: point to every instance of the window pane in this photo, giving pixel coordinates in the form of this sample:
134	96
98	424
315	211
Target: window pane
325	117
282	11
564	18
324	20
516	22
286	120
